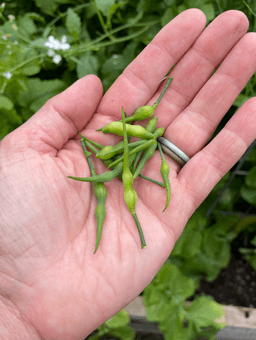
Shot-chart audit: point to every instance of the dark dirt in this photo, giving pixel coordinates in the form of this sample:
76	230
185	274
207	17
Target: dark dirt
236	284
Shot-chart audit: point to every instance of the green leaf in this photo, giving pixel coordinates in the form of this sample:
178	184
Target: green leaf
253	241
31	67
169	289
87	64
73	23
248	194
104	6
204	311
190	240
8	116
5	103
201	265
124	333
168	15
26	25
39	92
49	6
121	319
169	2
240	100
250	179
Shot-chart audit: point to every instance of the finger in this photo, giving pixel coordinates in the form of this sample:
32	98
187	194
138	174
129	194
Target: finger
64	115
209	165
198	64
140	79
197	123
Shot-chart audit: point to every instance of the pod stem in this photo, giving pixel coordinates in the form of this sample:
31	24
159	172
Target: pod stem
152	180
163	92
142	239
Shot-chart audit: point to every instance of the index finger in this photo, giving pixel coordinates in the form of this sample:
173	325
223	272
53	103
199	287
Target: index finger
139	81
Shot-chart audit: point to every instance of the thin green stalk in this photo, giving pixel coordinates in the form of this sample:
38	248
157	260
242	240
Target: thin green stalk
100	17
98	145
100	193
26	62
165	169
130	195
94	46
164	90
152	180
51	23
142	238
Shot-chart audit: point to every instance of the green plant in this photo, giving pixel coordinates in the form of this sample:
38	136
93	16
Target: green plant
117	326
165	300
47	45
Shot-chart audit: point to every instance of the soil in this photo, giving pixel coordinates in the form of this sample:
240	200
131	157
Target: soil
236	284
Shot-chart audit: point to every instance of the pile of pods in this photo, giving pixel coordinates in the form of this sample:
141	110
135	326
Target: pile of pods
126	161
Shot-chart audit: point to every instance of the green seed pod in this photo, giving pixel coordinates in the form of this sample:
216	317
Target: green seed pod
159	132
110	151
105	177
141	146
165	169
100	193
148	153
147	111
130	195
132	130
151	125
142	113
100	211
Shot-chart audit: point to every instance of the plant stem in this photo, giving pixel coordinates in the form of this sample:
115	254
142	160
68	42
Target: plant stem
163	92
152	180
142	239
107	43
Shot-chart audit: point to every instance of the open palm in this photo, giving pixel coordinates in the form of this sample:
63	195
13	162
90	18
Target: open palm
52	285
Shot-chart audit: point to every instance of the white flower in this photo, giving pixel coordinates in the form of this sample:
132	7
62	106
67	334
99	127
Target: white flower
4	37
7	75
51	53
11	17
57	58
15	42
56	45
65	47
3	5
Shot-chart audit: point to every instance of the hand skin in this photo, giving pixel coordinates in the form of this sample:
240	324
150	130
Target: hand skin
52	285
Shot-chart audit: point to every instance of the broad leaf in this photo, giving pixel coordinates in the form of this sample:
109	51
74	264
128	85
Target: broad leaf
73	23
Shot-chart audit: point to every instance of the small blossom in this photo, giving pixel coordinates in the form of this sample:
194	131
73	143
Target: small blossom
11	17
57	58
51	53
56	44
4	37
14	26
15	42
3	5
7	75
114	56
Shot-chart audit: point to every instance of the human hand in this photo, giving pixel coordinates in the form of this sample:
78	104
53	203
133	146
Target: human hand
52	285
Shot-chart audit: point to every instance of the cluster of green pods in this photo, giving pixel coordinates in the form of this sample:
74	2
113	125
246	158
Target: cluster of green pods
126	160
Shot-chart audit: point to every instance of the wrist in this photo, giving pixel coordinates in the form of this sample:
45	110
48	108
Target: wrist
12	325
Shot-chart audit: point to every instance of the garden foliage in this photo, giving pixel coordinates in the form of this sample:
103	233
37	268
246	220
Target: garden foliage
46	45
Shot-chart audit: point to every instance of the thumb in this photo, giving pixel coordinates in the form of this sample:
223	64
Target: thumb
64	115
